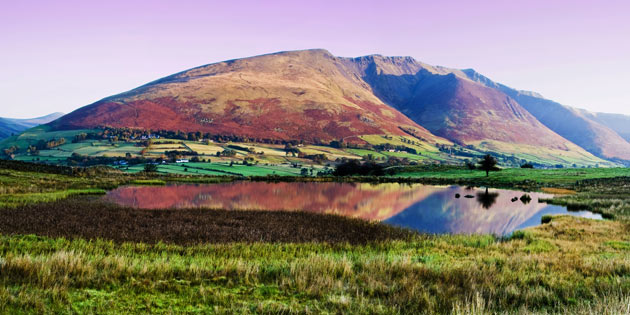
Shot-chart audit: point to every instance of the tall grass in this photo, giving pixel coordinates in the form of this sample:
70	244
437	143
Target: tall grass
568	266
15	200
439	274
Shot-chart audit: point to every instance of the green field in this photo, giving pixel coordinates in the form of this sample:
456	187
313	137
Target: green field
551	177
31	136
274	153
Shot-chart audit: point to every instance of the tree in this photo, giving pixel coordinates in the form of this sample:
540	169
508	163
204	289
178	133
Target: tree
150	168
470	165
488	164
355	167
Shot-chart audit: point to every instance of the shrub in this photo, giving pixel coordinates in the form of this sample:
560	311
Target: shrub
355	167
150	168
520	235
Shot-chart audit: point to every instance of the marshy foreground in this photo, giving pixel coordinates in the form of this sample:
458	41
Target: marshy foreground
84	255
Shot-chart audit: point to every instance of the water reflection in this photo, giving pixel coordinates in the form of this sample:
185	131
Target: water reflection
487	199
433	209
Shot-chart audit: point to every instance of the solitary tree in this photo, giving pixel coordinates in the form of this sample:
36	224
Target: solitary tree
488	164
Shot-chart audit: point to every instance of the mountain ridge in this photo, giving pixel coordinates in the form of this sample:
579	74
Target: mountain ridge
314	96
9	126
577	125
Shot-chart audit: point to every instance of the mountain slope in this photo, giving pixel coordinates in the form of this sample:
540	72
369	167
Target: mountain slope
617	122
314	96
450	105
581	127
304	95
9	126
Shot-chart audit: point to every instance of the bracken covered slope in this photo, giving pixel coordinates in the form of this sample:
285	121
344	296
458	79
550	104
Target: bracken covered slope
304	95
314	96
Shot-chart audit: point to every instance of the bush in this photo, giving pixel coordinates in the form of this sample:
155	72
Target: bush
520	235
470	165
355	167
545	219
150	168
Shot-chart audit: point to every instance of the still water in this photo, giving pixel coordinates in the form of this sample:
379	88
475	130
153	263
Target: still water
432	209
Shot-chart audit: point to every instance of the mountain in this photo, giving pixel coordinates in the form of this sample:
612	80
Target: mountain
591	131
452	105
617	122
300	95
9	126
314	96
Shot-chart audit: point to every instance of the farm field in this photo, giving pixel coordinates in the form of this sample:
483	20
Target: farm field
271	153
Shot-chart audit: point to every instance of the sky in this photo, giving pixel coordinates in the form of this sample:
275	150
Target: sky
61	55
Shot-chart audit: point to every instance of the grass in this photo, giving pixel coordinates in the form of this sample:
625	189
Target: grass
14	200
81	255
544	271
22	183
156	182
244	170
608	196
511	177
537	154
43	132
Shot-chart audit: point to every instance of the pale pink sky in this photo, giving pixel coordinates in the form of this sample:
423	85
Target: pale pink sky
61	55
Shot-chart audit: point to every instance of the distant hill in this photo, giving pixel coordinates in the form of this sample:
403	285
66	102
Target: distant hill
10	126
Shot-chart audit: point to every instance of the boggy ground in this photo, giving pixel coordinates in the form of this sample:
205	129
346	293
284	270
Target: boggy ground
90	218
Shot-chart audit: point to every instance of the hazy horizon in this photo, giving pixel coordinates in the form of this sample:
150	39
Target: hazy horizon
64	55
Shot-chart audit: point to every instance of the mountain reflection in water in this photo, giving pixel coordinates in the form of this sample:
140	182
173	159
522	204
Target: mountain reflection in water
433	209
